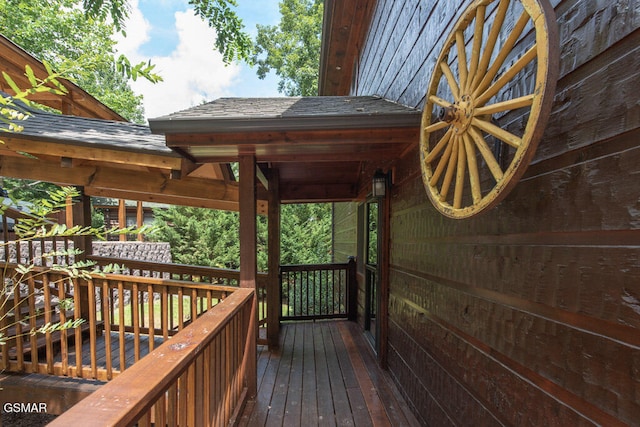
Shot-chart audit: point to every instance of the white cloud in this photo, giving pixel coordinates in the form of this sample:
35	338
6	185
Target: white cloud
192	73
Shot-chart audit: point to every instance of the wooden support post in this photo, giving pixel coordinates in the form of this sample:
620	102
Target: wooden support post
384	216
122	218
139	219
248	212
81	215
248	256
352	286
273	285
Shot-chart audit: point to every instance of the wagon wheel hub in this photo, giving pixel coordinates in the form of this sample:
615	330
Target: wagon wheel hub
459	115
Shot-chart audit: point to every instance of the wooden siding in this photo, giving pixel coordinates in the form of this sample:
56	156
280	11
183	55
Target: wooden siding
345	231
527	315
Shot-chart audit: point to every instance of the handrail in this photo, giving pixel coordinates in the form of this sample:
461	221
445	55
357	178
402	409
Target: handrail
197	378
181	269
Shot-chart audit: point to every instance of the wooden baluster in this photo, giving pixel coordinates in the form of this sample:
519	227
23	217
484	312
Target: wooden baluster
64	343
93	329
180	309
17	299
160	412
135	309
108	319
31	298
172	405
47	320
194	305
152	323
183	402
121	338
199	391
164	314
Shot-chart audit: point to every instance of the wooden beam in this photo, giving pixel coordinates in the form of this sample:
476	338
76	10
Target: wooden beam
191	190
337	137
13	60
262	177
34	147
318	192
248	227
273	284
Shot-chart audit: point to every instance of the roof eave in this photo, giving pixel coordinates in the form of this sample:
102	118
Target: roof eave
283	124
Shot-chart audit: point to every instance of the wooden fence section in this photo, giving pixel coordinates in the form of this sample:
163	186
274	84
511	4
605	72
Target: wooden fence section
203	275
317	291
200	377
139	309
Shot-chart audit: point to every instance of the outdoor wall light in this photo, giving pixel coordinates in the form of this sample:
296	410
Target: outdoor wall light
379	184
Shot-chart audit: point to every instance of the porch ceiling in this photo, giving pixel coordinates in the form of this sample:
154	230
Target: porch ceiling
321	146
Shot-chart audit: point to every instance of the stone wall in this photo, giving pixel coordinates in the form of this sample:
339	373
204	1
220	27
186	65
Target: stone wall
140	251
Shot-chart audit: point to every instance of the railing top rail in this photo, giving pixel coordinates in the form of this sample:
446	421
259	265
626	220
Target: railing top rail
156	282
123	400
313	267
170	268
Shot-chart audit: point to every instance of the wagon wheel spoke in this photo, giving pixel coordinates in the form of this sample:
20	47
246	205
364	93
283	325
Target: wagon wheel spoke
491	40
477	41
498	107
460	174
453	85
479	144
506	49
462	59
444	141
451	168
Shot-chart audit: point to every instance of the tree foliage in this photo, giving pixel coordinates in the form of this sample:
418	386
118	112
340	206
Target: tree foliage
292	48
231	41
58	33
210	237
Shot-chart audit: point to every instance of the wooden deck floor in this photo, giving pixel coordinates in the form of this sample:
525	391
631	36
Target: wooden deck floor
323	374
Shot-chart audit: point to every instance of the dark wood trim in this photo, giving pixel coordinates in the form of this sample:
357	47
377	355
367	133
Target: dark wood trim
248	212
384	258
273	287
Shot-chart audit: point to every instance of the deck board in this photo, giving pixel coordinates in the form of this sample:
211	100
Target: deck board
323	374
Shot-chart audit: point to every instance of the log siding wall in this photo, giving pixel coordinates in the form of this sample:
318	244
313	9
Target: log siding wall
529	314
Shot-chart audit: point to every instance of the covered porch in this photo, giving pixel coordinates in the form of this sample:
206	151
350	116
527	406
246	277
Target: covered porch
289	150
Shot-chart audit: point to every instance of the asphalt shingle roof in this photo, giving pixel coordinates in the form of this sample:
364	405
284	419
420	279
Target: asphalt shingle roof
50	127
288	113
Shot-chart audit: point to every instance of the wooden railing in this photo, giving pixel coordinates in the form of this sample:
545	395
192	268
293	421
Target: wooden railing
204	275
191	273
200	377
125	317
317	291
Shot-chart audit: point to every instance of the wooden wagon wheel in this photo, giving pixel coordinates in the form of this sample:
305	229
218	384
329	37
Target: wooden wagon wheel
488	102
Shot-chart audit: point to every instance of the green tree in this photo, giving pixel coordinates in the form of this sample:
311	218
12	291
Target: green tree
59	33
210	237
306	233
292	48
204	236
231	41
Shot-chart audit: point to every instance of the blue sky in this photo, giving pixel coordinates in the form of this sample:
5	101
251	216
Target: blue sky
181	45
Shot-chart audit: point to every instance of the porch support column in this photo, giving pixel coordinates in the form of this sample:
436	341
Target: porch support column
273	286
248	212
122	218
81	215
248	258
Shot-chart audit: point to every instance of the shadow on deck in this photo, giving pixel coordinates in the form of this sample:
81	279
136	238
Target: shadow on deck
324	373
